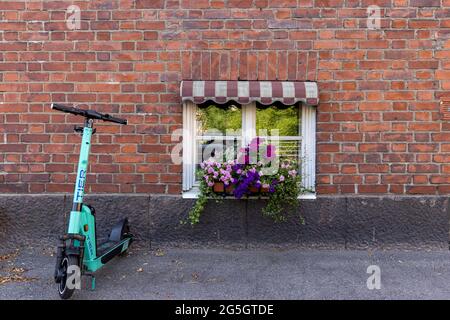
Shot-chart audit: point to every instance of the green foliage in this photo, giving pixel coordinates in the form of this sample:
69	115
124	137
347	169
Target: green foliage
283	200
285	120
222	118
200	203
206	193
213	117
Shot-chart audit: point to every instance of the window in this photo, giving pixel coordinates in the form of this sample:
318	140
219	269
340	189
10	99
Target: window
208	122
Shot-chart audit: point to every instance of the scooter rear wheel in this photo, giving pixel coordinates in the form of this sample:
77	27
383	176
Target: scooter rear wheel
63	290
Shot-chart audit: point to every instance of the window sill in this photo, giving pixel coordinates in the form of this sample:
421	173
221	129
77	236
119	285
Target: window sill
194	192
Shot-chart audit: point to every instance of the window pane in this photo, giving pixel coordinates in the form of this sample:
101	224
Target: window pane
285	119
218	119
219	133
289	149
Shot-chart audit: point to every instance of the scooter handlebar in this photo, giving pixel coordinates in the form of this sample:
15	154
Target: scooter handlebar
91	114
71	110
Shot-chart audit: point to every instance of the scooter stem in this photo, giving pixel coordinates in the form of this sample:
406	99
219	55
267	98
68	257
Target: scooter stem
74	223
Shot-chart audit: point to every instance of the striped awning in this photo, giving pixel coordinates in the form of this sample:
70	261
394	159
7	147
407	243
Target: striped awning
244	92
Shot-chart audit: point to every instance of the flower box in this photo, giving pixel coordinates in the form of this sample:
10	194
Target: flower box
218	187
240	178
229	189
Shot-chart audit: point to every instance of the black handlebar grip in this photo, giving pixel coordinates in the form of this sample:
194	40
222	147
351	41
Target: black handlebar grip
75	111
107	117
59	107
91	114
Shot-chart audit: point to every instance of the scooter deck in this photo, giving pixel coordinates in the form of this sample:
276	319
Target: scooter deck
105	252
105	246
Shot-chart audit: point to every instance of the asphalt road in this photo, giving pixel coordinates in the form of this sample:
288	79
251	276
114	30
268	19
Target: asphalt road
170	273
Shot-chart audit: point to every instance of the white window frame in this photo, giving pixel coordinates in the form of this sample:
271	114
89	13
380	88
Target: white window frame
308	145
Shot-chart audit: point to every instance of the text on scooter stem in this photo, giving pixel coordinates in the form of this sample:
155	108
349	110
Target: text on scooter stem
80	186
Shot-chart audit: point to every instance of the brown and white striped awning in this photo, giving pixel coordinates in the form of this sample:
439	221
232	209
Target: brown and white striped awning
244	92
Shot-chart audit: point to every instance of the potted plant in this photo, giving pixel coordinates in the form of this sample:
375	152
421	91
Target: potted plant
242	178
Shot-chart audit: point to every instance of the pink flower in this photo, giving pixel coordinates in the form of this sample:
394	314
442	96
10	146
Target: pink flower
281	178
210	184
254	144
293	173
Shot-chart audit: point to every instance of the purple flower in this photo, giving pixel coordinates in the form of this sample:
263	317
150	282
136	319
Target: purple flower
245	182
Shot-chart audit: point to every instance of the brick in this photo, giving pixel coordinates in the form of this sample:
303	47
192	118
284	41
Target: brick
374	127
66	168
373	147
240	3
425	3
418	147
373	168
150	4
329	3
374	189
421	189
423	168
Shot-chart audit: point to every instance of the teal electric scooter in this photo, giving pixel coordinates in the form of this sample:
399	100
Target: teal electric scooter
79	249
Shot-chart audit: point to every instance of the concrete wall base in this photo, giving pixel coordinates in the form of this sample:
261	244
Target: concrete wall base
330	221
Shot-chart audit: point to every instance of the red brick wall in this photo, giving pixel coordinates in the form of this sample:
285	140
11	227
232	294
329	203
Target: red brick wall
379	126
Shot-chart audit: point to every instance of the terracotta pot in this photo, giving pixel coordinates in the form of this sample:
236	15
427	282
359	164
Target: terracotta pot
229	189
254	189
218	187
265	189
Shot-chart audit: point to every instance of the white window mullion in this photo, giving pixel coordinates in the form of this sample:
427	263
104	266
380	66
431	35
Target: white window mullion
248	123
308	149
189	142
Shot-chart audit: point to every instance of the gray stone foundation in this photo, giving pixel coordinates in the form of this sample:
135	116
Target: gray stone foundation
330	221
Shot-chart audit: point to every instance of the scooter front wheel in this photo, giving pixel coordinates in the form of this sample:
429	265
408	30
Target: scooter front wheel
67	288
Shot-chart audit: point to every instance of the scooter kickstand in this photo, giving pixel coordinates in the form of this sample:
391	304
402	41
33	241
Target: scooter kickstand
90	275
